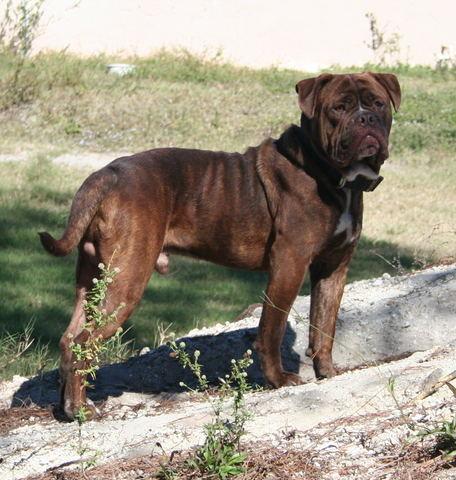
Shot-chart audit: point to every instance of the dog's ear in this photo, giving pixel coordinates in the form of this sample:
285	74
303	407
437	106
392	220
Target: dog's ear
308	90
390	83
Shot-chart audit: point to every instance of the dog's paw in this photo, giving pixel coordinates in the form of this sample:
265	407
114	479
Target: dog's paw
82	413
324	370
285	379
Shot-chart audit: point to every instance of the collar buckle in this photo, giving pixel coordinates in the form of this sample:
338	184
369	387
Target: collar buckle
361	183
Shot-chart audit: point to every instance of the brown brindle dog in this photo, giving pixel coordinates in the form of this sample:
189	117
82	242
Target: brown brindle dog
284	207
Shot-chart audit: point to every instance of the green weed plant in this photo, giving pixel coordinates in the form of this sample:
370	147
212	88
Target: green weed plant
90	352
221	454
445	436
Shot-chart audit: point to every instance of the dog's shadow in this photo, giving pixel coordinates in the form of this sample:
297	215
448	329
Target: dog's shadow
158	371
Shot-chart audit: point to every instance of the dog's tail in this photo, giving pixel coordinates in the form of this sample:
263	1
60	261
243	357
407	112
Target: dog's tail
85	205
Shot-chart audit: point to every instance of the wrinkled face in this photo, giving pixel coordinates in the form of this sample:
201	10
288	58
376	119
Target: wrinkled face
350	116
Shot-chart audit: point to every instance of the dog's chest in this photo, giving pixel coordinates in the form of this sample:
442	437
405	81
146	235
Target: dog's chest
347	226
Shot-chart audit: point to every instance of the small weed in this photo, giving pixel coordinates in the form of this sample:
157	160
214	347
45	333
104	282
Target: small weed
72	128
18	30
117	348
87	456
91	352
162	334
220	455
192	364
19	26
391	387
22	354
166	472
446	60
96	315
81	415
385	48
445	434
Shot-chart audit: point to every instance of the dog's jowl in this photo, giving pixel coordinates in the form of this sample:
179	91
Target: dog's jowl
288	206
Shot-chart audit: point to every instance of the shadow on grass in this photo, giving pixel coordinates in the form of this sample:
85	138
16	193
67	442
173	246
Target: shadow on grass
33	284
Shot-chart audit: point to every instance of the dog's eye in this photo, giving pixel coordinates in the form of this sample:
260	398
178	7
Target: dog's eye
379	104
340	108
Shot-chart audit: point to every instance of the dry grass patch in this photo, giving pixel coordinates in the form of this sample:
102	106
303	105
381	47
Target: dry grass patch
414	208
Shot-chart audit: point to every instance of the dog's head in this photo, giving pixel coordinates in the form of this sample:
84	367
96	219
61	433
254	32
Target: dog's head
350	117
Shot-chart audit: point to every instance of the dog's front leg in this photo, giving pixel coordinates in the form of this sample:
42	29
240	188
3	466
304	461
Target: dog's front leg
327	287
286	277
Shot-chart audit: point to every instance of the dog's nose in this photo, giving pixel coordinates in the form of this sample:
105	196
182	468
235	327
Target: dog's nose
367	119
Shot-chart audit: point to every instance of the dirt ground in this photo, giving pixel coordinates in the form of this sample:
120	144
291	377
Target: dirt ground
362	424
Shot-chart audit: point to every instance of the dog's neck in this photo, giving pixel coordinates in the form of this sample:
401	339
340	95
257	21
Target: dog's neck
358	178
294	145
297	145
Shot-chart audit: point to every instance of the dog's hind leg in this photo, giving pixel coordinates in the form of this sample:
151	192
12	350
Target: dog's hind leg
135	257
86	270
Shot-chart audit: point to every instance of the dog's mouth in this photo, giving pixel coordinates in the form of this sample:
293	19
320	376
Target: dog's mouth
368	148
358	158
363	172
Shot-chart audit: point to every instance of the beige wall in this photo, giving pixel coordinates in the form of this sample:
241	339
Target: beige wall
289	33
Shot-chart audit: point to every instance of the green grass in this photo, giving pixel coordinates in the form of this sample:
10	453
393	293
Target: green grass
179	100
21	352
182	100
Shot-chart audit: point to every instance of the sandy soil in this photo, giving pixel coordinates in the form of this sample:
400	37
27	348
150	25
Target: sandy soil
296	34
